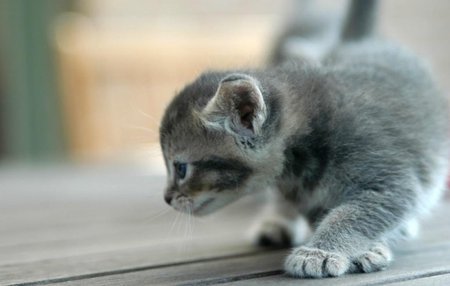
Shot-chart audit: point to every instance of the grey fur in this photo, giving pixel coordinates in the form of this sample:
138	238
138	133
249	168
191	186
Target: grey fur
360	21
357	143
309	33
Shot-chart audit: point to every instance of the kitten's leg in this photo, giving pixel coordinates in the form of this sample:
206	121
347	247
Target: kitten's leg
349	231
281	226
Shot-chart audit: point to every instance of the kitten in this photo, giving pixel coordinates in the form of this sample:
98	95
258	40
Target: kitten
355	146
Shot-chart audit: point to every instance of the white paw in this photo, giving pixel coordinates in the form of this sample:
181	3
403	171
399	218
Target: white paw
315	263
410	230
280	232
271	233
377	258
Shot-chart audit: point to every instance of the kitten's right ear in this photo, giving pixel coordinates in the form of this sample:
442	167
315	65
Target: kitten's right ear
238	106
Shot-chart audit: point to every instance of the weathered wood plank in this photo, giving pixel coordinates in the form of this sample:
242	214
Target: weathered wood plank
428	256
55	214
72	222
141	245
438	279
126	260
119	235
36	203
102	231
405	267
127	227
157	255
104	237
247	270
193	273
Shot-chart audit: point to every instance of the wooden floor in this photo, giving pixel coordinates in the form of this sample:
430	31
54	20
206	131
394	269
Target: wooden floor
97	226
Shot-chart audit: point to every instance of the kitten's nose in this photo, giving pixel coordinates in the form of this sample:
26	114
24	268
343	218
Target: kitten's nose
168	198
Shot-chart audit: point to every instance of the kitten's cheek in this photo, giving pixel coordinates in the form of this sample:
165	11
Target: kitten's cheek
215	203
205	207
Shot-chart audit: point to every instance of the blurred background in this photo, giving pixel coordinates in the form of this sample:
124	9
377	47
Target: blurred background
88	80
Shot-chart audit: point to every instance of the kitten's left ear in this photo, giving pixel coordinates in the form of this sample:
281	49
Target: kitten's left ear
238	105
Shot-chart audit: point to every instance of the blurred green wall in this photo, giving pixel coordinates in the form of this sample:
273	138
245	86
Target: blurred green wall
30	119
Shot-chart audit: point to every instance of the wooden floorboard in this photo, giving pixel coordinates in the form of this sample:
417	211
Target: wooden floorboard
90	230
436	279
415	261
264	269
103	228
406	267
210	272
157	255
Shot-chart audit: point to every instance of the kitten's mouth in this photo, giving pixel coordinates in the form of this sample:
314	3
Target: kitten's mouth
202	206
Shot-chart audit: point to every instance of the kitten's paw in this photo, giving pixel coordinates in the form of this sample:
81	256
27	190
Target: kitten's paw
279	232
273	234
315	263
377	258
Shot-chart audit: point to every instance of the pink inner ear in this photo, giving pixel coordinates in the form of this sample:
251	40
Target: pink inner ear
246	115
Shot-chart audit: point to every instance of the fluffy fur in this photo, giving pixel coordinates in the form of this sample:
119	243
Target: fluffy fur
355	146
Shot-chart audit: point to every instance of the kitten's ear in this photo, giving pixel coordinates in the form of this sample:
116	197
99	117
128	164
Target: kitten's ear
238	105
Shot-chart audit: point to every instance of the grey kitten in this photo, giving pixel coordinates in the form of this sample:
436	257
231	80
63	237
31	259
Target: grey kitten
355	144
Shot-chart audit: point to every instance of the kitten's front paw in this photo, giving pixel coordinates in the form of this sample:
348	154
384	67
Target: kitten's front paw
315	263
273	234
375	259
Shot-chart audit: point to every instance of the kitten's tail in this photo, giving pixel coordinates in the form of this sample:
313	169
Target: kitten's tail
360	20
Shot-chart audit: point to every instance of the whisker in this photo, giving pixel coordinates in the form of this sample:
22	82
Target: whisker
191	223
154	132
189	227
190	233
159	214
172	227
148	116
185	240
183	228
143	140
142	112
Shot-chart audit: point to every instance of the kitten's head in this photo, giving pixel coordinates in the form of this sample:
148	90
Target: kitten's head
213	137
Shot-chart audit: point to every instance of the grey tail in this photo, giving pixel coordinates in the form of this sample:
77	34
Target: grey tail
360	21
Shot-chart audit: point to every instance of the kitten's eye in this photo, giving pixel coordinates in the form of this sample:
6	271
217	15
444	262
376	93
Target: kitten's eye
180	170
